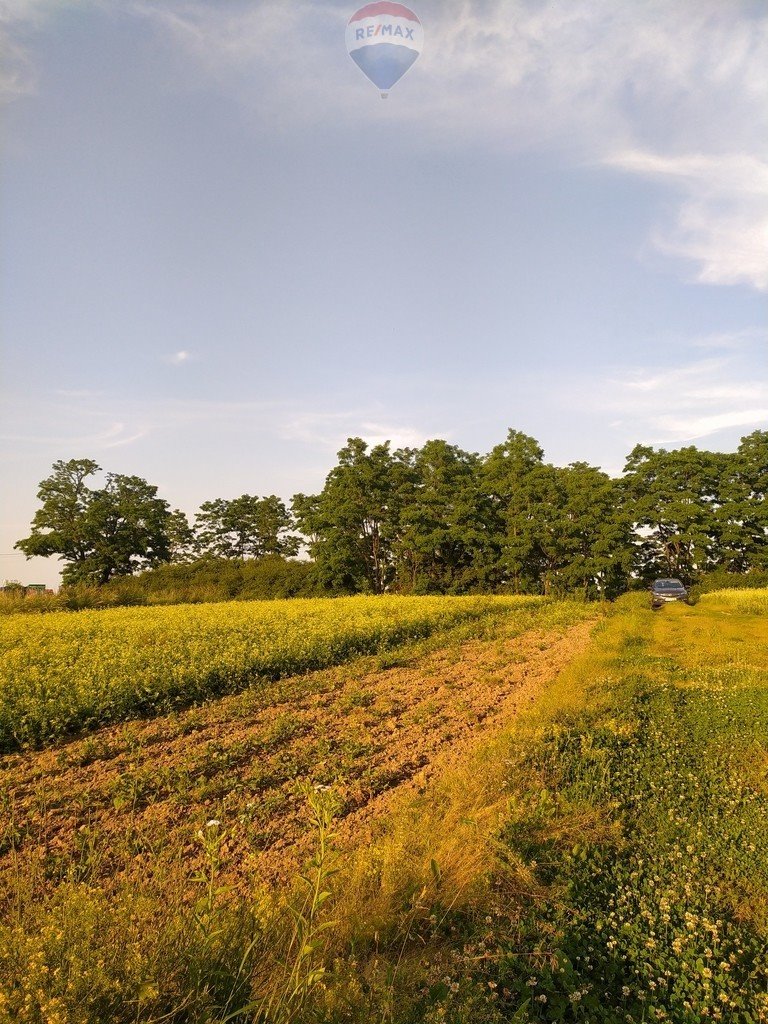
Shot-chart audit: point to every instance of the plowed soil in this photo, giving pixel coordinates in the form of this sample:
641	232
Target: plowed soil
124	798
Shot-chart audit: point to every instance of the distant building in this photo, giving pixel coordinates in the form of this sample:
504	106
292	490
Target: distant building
22	590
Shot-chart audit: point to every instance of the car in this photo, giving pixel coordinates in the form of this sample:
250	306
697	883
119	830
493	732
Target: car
663	591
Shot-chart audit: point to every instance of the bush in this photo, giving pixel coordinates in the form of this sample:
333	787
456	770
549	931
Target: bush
721	579
220	579
206	580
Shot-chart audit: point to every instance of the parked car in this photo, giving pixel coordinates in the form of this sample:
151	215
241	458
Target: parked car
663	591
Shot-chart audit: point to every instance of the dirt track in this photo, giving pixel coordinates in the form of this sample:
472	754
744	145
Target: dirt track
127	796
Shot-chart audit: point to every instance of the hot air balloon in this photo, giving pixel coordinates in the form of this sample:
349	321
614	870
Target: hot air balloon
384	40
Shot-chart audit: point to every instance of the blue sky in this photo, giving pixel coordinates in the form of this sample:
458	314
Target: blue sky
223	253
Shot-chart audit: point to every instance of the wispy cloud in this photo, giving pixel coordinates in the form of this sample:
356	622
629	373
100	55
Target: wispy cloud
674	92
330	430
77	393
722	222
87	423
17	71
586	74
692	427
670	91
594	77
730	341
110	435
178	358
677	404
18	21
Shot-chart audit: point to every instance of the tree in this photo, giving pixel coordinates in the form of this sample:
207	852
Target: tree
443	541
245	527
352	523
111	531
181	538
742	516
673	499
588	543
59	526
558	529
516	481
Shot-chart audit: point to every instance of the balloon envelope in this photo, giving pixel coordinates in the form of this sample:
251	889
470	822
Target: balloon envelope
384	40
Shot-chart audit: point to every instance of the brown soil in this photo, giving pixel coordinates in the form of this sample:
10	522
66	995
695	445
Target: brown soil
123	798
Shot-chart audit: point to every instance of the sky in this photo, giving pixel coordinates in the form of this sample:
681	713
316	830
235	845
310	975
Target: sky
223	253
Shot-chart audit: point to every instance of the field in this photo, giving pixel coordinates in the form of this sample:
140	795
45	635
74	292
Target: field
411	810
64	673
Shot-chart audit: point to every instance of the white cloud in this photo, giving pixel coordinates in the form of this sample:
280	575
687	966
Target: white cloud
228	39
722	222
398	434
179	358
87	422
584	75
330	430
17	76
18	19
667	380
674	91
677	92
728	341
76	393
728	172
106	435
691	427
589	76
678	404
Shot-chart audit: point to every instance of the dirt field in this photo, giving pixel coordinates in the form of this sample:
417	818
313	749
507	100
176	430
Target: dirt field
126	798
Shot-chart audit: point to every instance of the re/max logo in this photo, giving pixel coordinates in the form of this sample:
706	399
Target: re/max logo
384	30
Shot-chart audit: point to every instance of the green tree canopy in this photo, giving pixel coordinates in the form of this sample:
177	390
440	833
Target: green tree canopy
517	483
245	527
439	519
99	533
588	540
352	523
673	498
742	516
444	540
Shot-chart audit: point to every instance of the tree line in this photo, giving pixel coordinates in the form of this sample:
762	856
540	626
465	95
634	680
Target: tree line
436	519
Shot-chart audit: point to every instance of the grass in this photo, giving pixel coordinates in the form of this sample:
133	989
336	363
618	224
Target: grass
603	858
630	876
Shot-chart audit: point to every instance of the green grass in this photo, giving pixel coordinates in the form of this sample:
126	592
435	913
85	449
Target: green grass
657	908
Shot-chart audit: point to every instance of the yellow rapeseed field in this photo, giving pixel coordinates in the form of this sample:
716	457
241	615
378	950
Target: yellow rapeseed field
66	671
